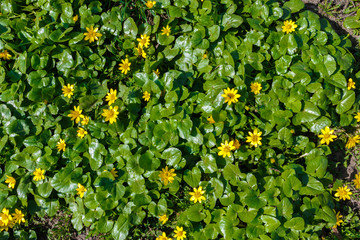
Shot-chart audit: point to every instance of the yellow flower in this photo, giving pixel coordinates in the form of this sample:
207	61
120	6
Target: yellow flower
343	193
163	237
157	72
180	234
5	217
272	160
140	51
254	138
211	120
114	172
5	55
144	40
357	117
327	136
110	114
92	34
166	30
81	132
124	66
146	96
352	141
150	4
292	131
357	181
255	87
167	176
237	144
197	195
204	56
230	96
350	84
68	90
76	114
338	219
289	26
81	190
85	121
163	218
61	145
226	148
18	216
111	96
75	18
11	181
38	174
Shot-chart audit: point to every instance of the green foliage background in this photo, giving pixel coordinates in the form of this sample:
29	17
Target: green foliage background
304	78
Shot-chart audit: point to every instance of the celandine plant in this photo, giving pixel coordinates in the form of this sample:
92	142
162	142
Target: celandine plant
180	119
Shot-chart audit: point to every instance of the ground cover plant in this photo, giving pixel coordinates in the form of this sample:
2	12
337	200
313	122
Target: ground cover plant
178	119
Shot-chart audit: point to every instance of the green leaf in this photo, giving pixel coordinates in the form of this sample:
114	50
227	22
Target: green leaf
231	21
195	213
121	228
172	156
105	225
271	223
330	64
62	181
294	5
296	223
313	187
352	22
148	162
309	113
16	127
346	102
130	28
96	151
192	177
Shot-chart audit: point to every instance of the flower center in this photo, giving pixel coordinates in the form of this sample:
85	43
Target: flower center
227	149
197	195
231	96
143	41
91	34
255	138
180	233
111	113
326	135
125	66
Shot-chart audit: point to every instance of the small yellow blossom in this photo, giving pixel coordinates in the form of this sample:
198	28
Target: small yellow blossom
75	18
289	26
39	174
338	219
167	176
146	96
357	181
163	218
272	160
61	145
111	96
114	172
85	121
352	141
144	40
180	234
204	56
68	90
140	51
5	55
247	108
211	120
76	114
110	114
350	84
18	216
357	117
226	148
92	34
255	87
124	66
163	237
157	72
327	136
197	195
230	96
237	144
81	190
11	181
166	30
5	218
292	131
150	4
81	132
254	138
343	193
